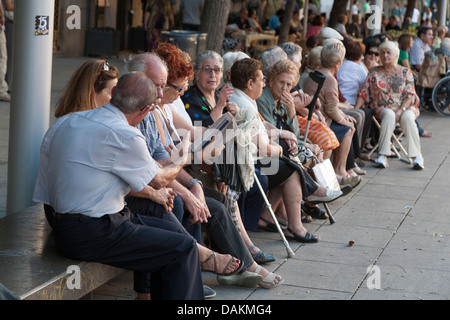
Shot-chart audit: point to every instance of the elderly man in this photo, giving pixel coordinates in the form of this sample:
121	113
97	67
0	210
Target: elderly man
89	162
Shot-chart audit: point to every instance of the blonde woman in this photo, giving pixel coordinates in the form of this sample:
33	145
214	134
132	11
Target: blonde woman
90	87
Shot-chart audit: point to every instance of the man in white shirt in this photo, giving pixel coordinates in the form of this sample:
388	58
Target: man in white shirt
421	44
89	162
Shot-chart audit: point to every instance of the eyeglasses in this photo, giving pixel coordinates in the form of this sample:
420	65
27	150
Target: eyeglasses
162	89
373	53
178	89
208	69
152	107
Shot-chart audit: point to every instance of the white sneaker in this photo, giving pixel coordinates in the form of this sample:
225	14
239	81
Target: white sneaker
418	163
381	162
5	97
331	195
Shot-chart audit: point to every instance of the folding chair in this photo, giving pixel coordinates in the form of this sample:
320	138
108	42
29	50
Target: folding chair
395	142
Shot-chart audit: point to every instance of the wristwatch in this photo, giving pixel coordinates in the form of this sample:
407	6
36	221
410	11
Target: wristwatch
194	181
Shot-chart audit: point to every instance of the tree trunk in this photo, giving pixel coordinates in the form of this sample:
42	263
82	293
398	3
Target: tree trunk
339	7
286	23
214	22
409	10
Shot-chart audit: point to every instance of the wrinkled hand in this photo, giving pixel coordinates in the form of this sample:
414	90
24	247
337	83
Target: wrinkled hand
301	101
315	149
287	100
232	108
164	197
198	209
291	140
224	93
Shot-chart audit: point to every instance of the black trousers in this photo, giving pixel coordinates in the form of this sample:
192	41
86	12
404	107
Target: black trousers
223	235
134	242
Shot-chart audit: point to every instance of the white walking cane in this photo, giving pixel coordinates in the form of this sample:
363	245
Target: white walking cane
290	252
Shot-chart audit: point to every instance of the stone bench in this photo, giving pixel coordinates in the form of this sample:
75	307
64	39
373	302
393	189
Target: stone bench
32	269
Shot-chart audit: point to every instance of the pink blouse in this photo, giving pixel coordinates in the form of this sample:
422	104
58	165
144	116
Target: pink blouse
383	90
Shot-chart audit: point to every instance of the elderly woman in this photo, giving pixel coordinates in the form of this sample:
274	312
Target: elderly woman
248	80
351	78
389	91
319	133
371	55
203	101
332	57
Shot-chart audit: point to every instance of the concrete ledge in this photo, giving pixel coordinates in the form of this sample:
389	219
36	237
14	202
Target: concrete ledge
32	269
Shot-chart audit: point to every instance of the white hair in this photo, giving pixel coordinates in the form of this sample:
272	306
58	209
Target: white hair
390	45
272	56
332	52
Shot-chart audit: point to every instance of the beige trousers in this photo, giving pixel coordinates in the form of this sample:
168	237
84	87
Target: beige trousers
410	130
3	63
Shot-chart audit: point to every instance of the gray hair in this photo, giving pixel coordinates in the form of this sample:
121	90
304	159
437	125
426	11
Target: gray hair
141	62
272	56
313	60
332	52
291	49
229	59
209	54
134	90
390	45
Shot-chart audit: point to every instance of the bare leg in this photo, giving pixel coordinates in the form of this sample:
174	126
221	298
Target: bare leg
220	261
341	153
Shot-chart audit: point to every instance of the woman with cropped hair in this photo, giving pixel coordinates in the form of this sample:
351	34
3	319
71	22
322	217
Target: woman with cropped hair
332	57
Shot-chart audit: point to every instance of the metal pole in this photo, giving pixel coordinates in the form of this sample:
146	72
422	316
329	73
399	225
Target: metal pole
31	95
442	12
378	12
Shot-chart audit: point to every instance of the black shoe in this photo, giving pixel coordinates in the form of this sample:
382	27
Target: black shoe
315	212
308	238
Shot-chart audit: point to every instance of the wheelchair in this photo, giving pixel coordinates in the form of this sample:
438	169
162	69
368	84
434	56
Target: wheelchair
440	96
433	85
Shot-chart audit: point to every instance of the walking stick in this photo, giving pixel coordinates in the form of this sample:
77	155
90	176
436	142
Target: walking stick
318	78
290	252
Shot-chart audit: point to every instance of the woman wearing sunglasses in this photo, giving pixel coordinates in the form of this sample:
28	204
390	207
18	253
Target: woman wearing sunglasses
372	54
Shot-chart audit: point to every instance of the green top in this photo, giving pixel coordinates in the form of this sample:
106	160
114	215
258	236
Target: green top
402	56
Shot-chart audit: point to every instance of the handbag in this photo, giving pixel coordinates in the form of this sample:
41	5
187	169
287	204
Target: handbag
325	176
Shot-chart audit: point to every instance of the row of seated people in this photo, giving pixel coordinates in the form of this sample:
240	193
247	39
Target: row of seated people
367	83
95	84
267	103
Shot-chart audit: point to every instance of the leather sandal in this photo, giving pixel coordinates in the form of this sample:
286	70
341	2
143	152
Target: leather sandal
270	226
308	238
268	281
316	212
306	218
261	257
213	257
